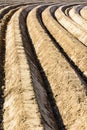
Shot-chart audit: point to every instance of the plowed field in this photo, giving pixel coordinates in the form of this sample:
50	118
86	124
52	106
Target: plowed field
43	65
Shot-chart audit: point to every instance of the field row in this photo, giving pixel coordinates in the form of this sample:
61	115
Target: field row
43	66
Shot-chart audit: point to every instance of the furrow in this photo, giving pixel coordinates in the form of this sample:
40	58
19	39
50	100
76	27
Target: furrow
24	86
83	12
79	8
71	26
37	78
3	26
6	9
75	52
20	107
68	6
77	18
67	11
1	6
68	90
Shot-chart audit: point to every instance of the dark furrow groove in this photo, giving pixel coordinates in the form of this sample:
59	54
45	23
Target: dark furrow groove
11	7
39	79
64	9
72	64
53	9
68	6
55	109
78	9
5	11
51	117
3	28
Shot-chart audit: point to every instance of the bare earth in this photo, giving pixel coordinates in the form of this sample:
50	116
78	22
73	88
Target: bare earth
43	65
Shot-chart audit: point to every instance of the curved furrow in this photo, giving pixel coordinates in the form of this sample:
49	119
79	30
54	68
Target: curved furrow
67	11
71	26
76	53
6	9
43	100
76	28
67	7
3	26
79	8
1	10
83	12
64	4
68	89
18	85
24	84
73	13
2	6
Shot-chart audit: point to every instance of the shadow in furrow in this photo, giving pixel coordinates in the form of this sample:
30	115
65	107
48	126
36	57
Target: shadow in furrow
55	109
3	28
5	11
2	74
9	7
78	9
64	11
80	74
71	62
41	85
